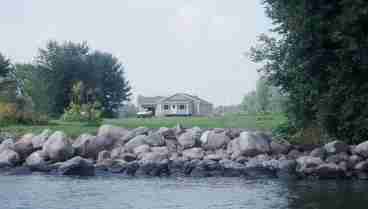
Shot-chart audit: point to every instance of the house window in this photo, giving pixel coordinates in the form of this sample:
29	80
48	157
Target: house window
166	107
174	107
181	107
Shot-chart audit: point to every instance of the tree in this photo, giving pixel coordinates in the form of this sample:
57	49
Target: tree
320	59
65	64
8	87
249	102
263	95
5	66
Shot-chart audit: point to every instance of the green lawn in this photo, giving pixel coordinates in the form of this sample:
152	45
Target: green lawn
74	129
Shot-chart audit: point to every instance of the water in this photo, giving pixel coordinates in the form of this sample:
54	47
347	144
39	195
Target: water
48	192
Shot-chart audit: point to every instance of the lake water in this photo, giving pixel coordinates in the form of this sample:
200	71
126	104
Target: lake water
51	192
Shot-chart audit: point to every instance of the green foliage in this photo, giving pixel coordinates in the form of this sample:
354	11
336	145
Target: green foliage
5	66
101	73
320	59
80	112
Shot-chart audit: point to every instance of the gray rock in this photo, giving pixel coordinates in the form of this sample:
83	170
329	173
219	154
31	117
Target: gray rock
336	147
154	157
287	169
340	157
188	139
81	146
362	166
328	171
77	166
318	152
252	144
98	144
7	144
58	147
113	132
232	169
194	153
307	164
212	140
39	140
141	149
168	133
162	150
155	139
362	149
37	162
103	156
280	147
294	154
9	158
24	146
135	142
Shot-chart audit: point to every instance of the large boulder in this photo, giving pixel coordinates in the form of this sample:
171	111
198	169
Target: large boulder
37	162
58	147
113	132
77	166
287	169
362	149
328	171
39	140
189	138
98	144
307	164
133	133
336	147
7	144
318	152
194	153
9	158
231	168
81	145
155	139
154	157
24	146
280	146
212	140
251	144
135	142
141	149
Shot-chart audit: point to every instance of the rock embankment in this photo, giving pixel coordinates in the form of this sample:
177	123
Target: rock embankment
180	152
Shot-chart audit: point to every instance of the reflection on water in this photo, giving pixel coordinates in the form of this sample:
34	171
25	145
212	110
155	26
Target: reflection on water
37	192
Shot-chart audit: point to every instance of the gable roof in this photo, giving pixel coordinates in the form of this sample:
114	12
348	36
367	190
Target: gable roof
149	100
184	97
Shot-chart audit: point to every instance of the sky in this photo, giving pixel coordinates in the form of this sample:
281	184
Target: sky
166	46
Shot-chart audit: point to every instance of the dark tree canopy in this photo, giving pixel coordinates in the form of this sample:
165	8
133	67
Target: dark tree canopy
63	65
320	59
5	66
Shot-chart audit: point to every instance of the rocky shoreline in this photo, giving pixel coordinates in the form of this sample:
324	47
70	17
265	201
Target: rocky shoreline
180	152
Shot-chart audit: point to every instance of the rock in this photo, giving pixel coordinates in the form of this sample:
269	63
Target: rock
98	144
362	166
188	139
9	158
103	156
318	152
40	139
215	157
153	168
362	149
328	171
213	141
172	144
77	166
280	147
232	169
58	147
154	157
252	144
194	153
7	144
81	146
36	162
294	154
117	152
306	164
118	166
207	168
340	157
135	142
141	149
155	139
178	129
24	146
336	147
353	160
176	168
167	133
112	132
287	170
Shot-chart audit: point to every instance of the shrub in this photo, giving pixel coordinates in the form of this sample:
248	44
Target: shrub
83	113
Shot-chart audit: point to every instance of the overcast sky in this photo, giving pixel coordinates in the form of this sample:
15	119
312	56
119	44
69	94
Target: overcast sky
167	46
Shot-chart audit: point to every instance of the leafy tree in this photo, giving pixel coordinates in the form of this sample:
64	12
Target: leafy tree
65	64
5	66
249	103
263	95
320	59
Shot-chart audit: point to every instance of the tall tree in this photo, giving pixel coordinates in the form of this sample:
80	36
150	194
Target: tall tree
320	58
102	74
263	95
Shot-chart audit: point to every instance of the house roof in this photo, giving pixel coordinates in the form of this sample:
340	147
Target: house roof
149	100
184	97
